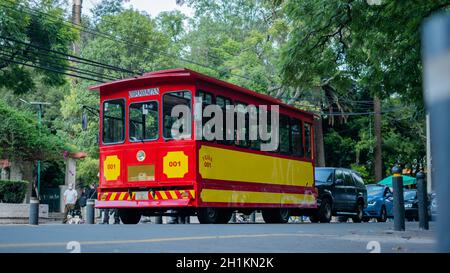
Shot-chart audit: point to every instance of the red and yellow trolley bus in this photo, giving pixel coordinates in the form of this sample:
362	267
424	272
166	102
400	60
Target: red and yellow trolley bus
144	171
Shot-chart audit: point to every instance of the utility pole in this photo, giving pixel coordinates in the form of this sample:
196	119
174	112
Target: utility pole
318	136
76	19
377	131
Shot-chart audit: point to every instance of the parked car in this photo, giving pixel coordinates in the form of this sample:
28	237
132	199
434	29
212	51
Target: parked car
411	203
341	192
379	203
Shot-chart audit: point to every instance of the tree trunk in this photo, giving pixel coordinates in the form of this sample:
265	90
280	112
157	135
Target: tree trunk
318	139
76	19
378	141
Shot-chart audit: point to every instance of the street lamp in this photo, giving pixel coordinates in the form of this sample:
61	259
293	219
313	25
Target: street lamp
39	104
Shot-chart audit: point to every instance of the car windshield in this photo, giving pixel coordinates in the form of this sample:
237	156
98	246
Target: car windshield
409	195
375	190
323	176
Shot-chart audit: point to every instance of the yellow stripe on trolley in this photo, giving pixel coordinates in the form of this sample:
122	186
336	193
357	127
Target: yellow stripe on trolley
163	195
122	196
113	196
173	195
231	196
230	165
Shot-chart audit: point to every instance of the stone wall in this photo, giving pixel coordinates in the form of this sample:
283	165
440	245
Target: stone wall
19	213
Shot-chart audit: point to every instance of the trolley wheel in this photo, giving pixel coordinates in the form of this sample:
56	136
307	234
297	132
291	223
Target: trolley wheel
273	216
130	216
214	215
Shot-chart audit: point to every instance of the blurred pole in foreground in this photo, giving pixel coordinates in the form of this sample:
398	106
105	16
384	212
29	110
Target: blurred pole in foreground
423	200
436	63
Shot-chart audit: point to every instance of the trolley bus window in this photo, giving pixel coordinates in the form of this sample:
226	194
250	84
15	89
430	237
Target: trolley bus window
297	137
113	121
285	131
143	121
207	99
241	133
307	140
170	100
222	102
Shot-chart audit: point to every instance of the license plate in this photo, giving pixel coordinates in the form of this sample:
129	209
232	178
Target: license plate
141	195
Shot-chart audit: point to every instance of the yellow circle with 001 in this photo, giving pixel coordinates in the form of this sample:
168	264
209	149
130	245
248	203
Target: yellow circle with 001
111	167
175	164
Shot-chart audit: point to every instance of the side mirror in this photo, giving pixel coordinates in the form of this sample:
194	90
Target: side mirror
339	182
84	122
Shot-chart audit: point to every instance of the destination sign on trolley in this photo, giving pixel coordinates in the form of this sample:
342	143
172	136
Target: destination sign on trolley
144	92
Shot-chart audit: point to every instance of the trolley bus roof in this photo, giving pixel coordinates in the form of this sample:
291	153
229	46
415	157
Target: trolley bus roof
184	73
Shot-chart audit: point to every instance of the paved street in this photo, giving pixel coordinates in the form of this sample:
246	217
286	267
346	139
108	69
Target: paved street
301	237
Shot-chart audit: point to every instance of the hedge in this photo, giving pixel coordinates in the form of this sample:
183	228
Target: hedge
12	191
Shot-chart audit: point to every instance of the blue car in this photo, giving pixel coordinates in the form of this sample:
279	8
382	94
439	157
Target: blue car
379	203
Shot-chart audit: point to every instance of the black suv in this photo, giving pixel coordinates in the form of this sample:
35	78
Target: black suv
341	193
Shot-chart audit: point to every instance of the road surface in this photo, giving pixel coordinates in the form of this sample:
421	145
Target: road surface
234	238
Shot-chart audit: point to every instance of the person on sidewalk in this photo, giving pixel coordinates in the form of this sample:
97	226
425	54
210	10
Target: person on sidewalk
70	198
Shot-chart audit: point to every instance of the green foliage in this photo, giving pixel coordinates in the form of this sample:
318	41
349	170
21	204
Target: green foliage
107	7
87	171
12	191
52	173
21	24
21	139
364	172
142	48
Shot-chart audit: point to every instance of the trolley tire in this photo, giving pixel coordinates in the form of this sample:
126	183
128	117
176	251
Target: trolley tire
210	215
224	216
276	216
129	216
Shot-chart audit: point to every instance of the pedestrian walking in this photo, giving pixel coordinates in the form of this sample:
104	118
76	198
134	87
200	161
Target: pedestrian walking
70	198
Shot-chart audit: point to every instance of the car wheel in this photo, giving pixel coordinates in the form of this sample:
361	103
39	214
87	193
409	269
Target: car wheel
342	219
366	219
383	215
359	213
325	211
280	216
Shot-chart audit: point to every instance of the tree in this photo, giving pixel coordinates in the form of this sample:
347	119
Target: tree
24	31
352	47
22	139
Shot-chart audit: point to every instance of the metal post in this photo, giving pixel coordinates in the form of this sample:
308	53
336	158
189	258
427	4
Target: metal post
253	217
423	200
181	219
158	220
39	162
188	219
436	63
34	211
399	203
90	211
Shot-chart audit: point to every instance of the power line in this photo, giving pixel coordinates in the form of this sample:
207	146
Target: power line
53	64
124	41
50	69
